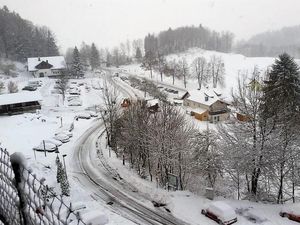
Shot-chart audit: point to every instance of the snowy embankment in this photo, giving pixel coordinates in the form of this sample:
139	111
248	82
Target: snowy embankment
186	205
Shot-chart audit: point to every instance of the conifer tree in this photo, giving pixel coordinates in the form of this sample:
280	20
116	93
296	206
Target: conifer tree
64	184
95	57
138	54
59	173
77	69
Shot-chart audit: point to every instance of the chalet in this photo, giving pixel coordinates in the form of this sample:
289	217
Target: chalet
207	105
51	66
21	102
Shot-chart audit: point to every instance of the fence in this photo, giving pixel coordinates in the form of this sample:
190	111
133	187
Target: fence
26	200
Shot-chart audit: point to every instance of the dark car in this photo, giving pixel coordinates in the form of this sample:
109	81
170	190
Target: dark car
29	88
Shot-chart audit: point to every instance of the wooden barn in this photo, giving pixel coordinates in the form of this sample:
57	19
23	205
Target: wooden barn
21	102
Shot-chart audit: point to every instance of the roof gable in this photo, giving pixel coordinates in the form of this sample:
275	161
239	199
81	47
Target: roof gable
57	62
44	65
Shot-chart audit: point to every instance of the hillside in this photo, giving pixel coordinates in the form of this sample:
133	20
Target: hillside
272	43
20	38
235	64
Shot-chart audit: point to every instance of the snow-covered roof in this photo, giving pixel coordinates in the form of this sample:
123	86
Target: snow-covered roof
58	62
205	96
152	102
7	99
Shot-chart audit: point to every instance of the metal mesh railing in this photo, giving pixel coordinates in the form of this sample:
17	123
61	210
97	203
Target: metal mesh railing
27	200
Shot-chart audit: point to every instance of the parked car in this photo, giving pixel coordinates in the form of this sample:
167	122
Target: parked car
29	88
46	146
75	102
83	115
62	137
65	132
36	83
220	212
291	212
54	141
74	92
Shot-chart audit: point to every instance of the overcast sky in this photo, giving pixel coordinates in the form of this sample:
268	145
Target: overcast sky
108	22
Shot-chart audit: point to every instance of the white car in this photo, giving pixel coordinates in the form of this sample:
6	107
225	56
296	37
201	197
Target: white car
220	212
65	132
54	141
62	137
93	114
46	146
83	115
75	102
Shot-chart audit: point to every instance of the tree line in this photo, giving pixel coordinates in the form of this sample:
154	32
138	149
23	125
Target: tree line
182	38
272	43
256	158
20	39
205	71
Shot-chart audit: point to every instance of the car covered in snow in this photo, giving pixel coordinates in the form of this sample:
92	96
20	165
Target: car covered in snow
46	146
29	88
64	138
54	141
65	132
83	115
220	212
292	212
75	102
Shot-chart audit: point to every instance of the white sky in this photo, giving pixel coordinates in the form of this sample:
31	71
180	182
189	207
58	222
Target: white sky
109	22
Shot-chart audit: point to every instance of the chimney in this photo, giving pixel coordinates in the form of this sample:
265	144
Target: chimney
39	59
47	61
206	98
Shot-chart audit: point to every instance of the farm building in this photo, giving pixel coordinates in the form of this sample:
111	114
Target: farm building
21	102
207	105
46	66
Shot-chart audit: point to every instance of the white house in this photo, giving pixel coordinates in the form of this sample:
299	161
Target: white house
207	105
46	66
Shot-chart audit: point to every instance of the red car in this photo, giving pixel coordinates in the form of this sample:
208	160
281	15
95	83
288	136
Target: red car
220	212
292	212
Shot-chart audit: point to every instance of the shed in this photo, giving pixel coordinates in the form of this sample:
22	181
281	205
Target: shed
20	102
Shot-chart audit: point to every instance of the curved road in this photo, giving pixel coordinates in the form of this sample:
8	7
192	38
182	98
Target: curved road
92	173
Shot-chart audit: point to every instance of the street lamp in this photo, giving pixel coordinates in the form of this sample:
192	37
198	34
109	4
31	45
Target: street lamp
64	155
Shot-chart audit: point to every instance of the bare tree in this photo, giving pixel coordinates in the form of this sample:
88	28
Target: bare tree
2	87
200	70
110	113
12	87
62	85
217	70
250	135
184	70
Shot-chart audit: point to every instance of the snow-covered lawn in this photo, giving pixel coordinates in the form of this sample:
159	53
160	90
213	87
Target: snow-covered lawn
235	64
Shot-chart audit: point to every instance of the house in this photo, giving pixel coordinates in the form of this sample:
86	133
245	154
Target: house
51	66
207	105
20	102
153	105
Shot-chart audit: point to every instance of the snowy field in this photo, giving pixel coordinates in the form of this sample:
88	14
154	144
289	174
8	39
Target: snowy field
235	65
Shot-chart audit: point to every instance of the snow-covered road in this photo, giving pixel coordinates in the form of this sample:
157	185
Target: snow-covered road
90	171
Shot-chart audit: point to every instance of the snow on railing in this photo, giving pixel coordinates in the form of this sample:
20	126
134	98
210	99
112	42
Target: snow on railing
27	200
